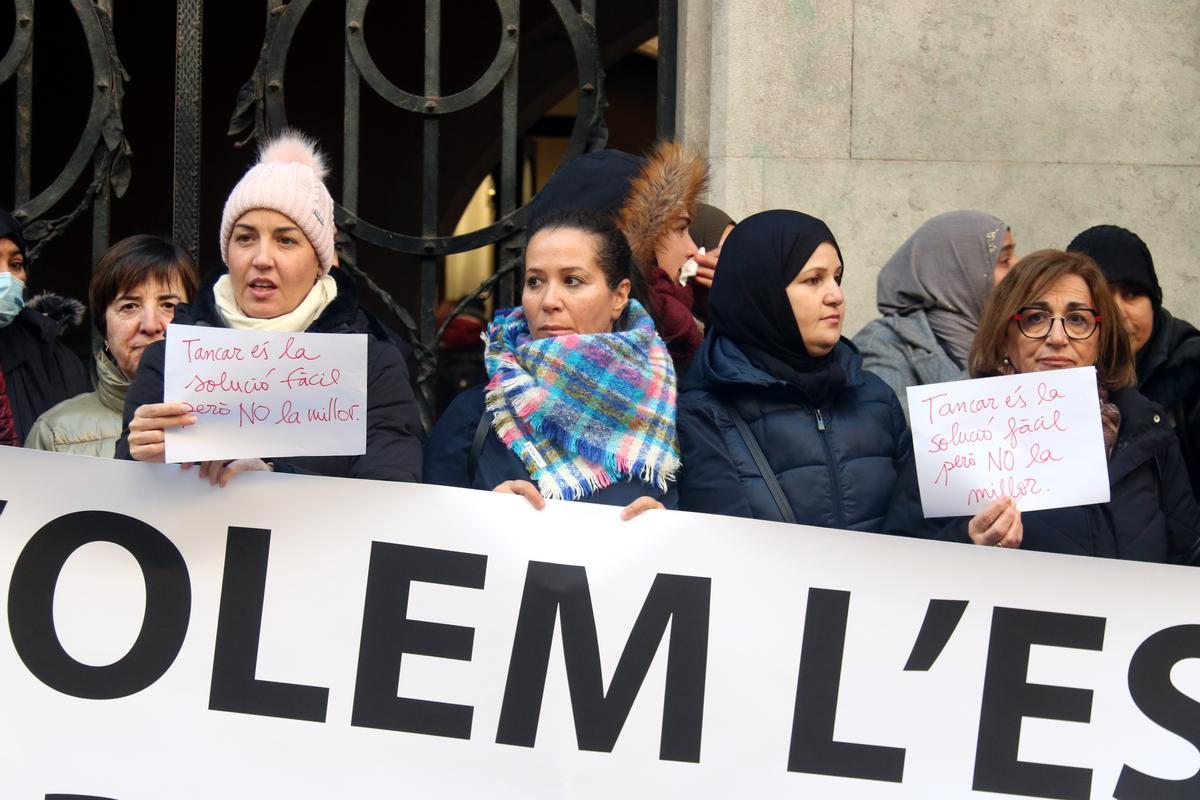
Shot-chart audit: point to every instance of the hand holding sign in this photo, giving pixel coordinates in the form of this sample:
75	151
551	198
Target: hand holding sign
999	524
259	394
1034	437
147	429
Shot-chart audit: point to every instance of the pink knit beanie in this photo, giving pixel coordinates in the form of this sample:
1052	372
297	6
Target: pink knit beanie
288	178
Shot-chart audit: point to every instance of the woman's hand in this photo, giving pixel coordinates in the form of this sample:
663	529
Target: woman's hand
999	524
219	473
525	489
706	267
643	503
147	429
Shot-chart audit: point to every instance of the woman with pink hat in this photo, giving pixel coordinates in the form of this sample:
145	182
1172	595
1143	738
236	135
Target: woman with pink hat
277	240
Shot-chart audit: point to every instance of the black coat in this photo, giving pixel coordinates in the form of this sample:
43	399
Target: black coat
393	444
837	465
447	458
39	370
1150	516
1169	374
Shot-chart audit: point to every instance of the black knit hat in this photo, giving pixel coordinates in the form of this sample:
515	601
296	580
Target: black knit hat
1123	258
597	181
11	229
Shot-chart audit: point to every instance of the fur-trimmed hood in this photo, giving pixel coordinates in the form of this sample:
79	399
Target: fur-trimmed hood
66	311
668	185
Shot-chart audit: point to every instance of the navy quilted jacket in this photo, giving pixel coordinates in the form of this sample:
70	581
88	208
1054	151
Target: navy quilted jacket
837	465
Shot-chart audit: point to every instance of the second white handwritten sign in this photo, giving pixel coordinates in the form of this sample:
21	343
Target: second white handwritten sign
261	394
1034	437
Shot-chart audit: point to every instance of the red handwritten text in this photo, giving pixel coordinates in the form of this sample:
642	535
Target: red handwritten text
1039	456
1014	399
210	409
1010	486
1018	427
939	442
300	378
1048	394
197	353
943	476
947	408
299	354
334	412
224	383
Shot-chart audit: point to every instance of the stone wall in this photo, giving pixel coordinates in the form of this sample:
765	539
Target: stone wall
876	115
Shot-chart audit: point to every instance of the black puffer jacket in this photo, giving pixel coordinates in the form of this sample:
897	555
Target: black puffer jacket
1151	515
837	465
393	447
39	370
1169	374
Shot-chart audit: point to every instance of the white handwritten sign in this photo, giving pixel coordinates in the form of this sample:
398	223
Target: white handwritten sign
263	394
1035	438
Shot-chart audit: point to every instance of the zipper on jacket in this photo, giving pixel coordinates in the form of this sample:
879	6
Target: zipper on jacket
837	486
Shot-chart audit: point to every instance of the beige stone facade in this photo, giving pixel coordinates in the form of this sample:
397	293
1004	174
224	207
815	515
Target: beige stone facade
877	114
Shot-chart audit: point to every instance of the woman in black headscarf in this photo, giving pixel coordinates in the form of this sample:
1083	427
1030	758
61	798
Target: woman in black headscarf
777	418
1166	348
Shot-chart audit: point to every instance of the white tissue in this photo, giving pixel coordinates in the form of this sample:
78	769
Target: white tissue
689	269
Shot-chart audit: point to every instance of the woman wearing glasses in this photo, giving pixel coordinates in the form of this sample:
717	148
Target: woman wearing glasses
1054	310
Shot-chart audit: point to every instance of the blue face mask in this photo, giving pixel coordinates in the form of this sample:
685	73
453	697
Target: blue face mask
12	298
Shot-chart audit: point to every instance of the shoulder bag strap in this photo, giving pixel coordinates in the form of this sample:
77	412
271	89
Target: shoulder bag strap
481	432
785	508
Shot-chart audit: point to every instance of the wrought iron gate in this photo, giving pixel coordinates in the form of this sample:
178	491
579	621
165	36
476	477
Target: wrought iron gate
260	110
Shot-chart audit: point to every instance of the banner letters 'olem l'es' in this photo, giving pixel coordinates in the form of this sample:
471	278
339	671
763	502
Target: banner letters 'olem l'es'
557	597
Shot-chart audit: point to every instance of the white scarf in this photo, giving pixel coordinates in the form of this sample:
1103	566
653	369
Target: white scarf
295	321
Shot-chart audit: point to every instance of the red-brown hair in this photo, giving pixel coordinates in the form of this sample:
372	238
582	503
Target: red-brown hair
1024	284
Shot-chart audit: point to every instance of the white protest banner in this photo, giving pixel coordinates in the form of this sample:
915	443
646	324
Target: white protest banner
259	394
1034	437
301	637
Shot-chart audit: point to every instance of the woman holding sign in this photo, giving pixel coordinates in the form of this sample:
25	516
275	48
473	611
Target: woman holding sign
778	419
277	239
1053	311
580	401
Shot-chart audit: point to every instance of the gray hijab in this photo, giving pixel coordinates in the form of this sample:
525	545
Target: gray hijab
944	269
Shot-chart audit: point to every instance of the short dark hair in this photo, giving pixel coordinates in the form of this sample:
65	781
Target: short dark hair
130	263
612	249
1024	284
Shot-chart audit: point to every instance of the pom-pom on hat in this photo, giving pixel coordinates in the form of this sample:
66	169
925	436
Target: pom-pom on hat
289	178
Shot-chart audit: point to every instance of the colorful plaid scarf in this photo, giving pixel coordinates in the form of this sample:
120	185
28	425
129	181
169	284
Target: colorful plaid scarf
583	411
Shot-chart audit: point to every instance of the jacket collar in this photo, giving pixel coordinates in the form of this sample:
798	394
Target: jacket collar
111	383
721	364
1174	343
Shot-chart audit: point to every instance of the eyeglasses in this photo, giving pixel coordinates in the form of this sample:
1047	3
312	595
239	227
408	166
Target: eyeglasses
1036	323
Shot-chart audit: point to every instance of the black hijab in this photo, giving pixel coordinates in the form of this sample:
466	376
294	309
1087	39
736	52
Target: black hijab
11	229
748	302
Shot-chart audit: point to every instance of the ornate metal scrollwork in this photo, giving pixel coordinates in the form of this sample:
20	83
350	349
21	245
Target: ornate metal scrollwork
260	111
102	143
